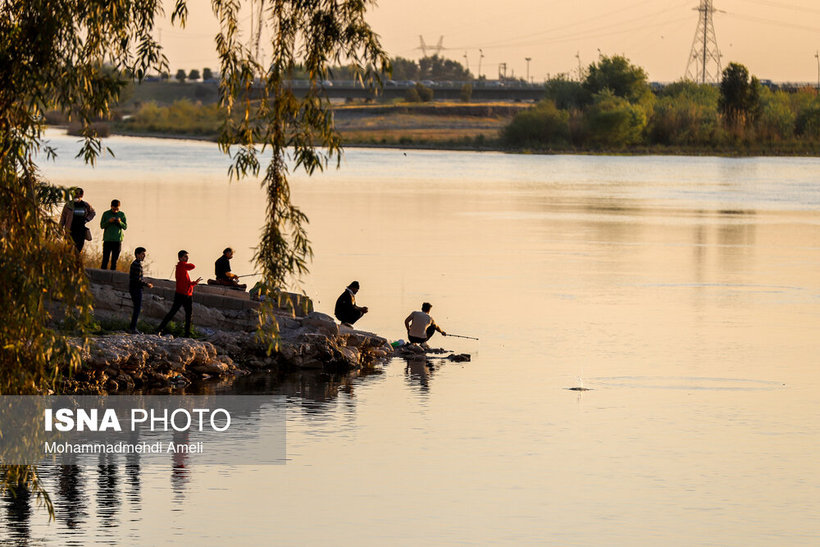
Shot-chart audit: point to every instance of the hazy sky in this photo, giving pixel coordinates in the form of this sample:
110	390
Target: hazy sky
775	39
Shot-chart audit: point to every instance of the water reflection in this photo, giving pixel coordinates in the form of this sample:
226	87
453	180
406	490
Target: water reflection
70	505
108	492
18	513
180	474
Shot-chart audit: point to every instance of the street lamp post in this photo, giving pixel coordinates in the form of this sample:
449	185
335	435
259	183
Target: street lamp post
817	56
528	59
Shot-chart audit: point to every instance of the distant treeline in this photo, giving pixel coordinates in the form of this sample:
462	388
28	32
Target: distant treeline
613	107
432	67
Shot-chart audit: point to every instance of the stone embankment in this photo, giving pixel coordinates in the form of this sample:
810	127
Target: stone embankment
230	346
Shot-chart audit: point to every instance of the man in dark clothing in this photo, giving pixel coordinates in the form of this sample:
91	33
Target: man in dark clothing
135	285
222	270
346	309
75	215
184	294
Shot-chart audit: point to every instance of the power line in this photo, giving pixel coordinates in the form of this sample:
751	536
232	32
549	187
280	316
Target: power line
783	6
775	23
564	28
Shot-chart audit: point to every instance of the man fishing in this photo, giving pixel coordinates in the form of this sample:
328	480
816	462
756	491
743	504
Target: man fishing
222	270
420	326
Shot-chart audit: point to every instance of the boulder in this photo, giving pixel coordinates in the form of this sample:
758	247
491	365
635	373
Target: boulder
322	323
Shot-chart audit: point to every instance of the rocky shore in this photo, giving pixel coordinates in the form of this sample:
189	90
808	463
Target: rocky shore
228	347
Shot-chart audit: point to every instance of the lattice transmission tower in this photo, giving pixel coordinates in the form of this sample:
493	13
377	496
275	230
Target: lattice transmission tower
704	59
426	49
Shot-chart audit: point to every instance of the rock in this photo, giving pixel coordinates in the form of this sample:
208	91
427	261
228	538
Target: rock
322	323
352	355
459	358
214	367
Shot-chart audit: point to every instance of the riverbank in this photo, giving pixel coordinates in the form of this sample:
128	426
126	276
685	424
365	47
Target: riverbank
455	126
226	343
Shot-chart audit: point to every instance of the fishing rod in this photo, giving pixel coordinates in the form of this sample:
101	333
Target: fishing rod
460	336
248	275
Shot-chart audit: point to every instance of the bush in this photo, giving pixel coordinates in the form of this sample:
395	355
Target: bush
685	114
613	121
466	94
806	105
540	126
776	120
412	95
566	94
181	118
419	94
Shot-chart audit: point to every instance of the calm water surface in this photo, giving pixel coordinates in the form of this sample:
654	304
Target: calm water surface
684	291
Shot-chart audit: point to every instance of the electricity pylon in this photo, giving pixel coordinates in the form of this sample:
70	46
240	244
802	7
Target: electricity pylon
704	59
436	49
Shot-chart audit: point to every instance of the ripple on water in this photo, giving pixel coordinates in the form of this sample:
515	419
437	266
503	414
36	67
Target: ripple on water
684	383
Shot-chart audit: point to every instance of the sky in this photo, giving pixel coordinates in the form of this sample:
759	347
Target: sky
774	39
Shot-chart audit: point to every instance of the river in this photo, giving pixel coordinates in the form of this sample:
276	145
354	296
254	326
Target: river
683	292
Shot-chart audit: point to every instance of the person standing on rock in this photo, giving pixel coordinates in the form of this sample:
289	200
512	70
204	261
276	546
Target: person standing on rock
135	285
346	309
75	215
420	326
113	223
184	294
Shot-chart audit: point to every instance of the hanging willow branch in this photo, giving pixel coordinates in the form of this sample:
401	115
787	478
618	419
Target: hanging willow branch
264	115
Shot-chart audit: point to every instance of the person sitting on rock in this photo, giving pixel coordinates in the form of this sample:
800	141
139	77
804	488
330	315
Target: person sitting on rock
420	326
222	270
346	309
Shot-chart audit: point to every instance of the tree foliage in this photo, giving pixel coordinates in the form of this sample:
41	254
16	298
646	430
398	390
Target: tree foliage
52	56
739	96
619	76
567	94
429	68
614	121
543	124
311	35
438	68
67	55
685	113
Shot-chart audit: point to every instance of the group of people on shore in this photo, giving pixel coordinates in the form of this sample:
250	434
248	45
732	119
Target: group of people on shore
77	213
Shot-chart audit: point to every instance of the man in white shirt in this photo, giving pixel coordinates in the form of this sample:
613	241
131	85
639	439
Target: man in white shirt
420	326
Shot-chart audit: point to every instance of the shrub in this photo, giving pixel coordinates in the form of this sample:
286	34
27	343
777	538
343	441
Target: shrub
685	113
567	94
466	94
539	126
776	120
613	121
412	95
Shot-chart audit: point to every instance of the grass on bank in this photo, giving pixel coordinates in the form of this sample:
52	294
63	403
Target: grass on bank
105	326
92	256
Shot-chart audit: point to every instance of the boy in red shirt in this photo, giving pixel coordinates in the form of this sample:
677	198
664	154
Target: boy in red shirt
183	296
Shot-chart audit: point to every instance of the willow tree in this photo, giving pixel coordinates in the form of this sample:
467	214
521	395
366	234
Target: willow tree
265	115
71	55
